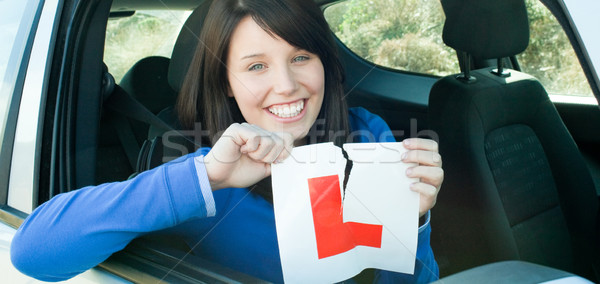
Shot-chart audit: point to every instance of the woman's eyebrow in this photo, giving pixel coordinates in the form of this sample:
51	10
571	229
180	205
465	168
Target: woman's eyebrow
254	55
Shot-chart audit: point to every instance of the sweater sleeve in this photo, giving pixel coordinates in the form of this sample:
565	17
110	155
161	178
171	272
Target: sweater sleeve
367	127
75	231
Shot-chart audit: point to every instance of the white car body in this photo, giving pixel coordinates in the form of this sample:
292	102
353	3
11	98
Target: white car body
24	163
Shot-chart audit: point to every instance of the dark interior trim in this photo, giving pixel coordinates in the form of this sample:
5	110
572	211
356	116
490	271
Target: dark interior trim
146	260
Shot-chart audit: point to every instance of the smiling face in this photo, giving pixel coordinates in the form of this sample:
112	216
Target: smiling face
276	85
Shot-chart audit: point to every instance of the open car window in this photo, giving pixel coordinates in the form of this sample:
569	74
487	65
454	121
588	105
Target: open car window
143	34
551	59
393	34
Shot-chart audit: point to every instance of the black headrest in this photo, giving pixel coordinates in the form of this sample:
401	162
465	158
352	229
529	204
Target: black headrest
486	29
146	81
185	46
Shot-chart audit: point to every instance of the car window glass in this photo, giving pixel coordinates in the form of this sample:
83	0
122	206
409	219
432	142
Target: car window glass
401	34
550	56
146	33
16	19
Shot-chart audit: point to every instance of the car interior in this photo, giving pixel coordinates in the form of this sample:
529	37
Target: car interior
508	156
521	173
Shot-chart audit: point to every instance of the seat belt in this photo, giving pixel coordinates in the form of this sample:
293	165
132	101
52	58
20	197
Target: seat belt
125	105
125	135
122	102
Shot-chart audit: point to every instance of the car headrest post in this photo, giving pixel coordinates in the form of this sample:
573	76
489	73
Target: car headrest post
466	77
500	72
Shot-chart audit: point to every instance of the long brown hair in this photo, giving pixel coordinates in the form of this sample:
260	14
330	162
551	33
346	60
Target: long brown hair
300	23
203	96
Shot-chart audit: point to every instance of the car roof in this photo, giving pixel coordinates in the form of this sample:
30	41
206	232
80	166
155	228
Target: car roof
133	5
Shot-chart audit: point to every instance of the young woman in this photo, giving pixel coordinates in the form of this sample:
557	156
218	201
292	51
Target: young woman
265	78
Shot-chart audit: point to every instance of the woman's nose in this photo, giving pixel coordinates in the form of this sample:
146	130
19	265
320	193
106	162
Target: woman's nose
285	82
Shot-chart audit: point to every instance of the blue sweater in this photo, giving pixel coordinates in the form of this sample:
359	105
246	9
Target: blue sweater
76	231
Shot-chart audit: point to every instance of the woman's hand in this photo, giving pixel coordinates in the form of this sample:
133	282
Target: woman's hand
243	155
424	152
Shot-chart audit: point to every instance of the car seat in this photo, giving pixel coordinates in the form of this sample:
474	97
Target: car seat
146	94
154	83
147	82
163	146
516	186
113	161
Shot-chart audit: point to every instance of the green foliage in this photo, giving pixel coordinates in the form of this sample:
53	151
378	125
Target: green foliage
407	35
143	34
549	56
402	34
415	53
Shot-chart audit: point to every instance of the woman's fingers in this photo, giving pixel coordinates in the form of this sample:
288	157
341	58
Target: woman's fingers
243	155
288	144
424	152
428	196
423	157
428	186
269	147
427	174
420	144
258	144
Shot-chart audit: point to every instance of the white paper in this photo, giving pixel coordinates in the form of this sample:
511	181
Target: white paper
377	197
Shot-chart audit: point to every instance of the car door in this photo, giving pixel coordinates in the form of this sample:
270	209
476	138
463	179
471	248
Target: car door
579	109
30	32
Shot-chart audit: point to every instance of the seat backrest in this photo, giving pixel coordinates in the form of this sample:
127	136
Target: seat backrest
160	146
186	44
146	81
516	186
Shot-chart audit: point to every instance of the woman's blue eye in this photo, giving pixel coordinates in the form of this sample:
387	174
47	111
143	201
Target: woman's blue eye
256	67
300	58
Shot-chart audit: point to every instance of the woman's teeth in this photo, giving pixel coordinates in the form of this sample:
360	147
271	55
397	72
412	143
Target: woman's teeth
287	110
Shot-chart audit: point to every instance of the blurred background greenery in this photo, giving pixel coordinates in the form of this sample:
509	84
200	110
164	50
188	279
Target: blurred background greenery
399	34
146	33
550	56
411	41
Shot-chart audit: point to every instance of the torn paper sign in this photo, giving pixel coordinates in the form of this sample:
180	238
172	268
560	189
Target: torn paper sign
331	225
